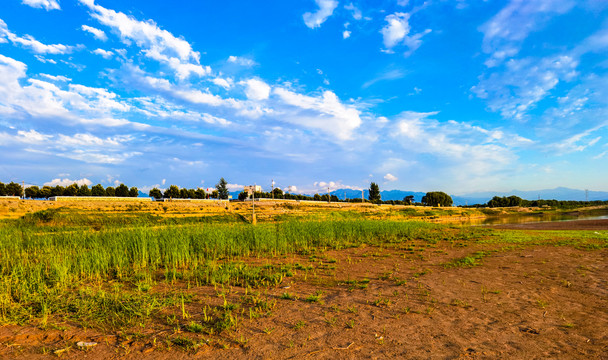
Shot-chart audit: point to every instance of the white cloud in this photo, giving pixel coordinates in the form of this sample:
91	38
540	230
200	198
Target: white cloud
45	60
577	142
68	182
225	83
397	32
356	13
56	78
156	43
346	34
504	33
106	54
524	83
291	189
234	187
390	178
325	112
242	61
326	9
256	89
472	150
57	101
29	42
43	4
98	34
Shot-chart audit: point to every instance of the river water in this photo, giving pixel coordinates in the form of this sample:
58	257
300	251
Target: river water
539	217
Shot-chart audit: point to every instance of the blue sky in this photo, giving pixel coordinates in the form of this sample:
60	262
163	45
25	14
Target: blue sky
458	96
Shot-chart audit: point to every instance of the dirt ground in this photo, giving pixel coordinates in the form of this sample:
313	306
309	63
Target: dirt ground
537	302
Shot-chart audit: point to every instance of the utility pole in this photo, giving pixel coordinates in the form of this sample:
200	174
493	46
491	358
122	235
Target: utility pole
272	187
253	219
23	189
328	195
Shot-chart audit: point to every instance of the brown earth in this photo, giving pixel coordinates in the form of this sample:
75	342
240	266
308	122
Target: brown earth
536	302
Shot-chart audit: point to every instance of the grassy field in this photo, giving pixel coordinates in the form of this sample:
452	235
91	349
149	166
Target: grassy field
184	277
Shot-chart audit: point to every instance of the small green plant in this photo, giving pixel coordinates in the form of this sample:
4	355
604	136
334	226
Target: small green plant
299	325
195	327
350	324
315	298
288	296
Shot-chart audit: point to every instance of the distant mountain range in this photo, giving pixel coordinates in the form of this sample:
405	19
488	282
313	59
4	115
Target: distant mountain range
560	193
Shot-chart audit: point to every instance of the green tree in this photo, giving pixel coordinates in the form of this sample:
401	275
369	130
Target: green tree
222	189
200	193
84	191
278	193
14	189
98	190
71	190
408	200
133	192
437	198
122	191
183	193
155	193
110	191
374	192
2	189
243	195
32	192
172	192
57	190
46	192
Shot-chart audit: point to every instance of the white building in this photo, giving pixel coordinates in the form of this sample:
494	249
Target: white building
252	188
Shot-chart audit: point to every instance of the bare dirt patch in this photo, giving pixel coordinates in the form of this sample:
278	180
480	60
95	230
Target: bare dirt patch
527	302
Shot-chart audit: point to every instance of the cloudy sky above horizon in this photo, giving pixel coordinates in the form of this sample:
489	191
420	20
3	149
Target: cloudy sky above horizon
451	95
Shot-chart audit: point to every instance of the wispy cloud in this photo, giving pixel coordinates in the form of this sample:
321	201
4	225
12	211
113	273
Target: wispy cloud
155	43
98	34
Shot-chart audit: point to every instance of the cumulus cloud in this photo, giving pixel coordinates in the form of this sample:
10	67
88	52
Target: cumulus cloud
56	101
390	178
67	182
325	112
43	4
106	54
397	32
256	89
156	43
326	9
98	34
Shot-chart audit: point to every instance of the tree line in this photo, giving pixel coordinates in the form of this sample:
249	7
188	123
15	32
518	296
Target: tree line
435	198
35	192
516	201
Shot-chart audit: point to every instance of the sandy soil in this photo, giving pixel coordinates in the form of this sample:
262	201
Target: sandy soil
521	303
